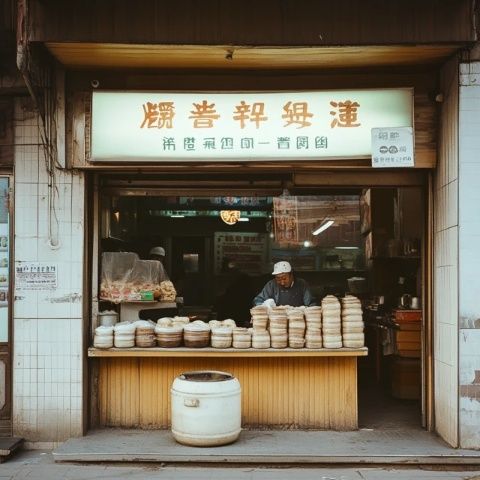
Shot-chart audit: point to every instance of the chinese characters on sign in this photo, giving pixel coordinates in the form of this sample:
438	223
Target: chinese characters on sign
36	276
204	125
392	147
160	115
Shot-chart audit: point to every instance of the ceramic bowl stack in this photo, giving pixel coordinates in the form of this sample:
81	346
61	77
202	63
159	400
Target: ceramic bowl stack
278	327
124	335
242	338
170	336
229	322
165	322
296	328
180	321
313	320
352	322
103	337
196	334
259	317
332	325
214	324
144	334
260	339
222	337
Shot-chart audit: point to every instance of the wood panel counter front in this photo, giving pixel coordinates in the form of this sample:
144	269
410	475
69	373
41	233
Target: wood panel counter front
288	388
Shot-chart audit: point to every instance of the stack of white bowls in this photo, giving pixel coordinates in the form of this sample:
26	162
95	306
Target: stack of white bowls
144	334
260	339
170	336
229	322
278	327
332	325
196	334
165	322
242	338
124	335
259	317
103	337
221	337
180	321
214	324
352	322
313	319
296	328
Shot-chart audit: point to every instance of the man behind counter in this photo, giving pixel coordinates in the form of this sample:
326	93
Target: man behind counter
285	288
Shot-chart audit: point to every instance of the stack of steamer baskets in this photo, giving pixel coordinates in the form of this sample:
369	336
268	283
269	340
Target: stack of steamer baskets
332	324
260	336
352	322
242	338
278	326
145	334
296	328
313	319
259	317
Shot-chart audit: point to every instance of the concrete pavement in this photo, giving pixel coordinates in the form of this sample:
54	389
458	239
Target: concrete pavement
272	447
35	465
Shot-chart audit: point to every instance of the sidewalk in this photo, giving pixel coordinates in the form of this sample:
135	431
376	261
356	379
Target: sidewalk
389	447
36	465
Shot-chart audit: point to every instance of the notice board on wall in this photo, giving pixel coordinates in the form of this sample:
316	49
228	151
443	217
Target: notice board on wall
248	251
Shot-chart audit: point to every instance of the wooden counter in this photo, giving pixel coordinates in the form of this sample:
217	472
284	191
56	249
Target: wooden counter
287	388
228	352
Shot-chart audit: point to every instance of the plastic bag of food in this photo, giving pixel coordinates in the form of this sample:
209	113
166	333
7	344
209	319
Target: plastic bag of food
146	278
126	278
116	271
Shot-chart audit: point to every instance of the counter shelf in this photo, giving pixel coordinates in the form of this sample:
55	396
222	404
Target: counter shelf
228	352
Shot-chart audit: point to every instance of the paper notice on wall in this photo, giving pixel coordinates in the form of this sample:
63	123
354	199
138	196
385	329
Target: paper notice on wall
36	276
247	251
393	147
285	216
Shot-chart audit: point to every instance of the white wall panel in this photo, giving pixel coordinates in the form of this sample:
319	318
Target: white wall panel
445	314
469	255
48	366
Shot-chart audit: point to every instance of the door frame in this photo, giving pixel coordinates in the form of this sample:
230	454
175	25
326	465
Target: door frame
6	349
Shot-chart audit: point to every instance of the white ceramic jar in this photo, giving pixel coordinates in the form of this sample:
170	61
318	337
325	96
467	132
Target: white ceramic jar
206	408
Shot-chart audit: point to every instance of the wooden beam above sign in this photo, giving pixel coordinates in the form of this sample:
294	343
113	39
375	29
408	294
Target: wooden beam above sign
227	57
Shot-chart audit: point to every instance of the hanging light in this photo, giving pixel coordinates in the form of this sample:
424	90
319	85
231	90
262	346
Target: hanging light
230	217
326	223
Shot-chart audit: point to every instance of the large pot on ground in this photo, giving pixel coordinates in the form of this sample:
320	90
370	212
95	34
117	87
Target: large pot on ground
206	408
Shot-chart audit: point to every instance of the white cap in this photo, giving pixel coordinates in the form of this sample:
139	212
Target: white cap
158	251
281	267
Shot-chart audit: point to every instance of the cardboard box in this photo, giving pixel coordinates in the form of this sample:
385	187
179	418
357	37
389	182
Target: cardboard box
409	336
406	380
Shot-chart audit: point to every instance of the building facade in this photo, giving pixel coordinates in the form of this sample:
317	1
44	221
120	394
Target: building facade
59	53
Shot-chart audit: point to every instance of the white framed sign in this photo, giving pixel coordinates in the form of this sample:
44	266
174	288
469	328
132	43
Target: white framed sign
36	276
393	147
170	126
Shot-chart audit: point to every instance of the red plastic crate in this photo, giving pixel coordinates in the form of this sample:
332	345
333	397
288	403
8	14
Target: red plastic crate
408	315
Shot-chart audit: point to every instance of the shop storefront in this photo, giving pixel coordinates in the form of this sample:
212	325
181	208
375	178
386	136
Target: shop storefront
105	162
345	233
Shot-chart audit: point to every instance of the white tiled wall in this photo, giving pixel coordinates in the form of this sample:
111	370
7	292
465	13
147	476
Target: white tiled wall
445	318
469	255
47	373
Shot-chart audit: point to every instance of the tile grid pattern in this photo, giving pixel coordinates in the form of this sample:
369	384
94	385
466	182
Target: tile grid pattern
445	318
469	255
47	373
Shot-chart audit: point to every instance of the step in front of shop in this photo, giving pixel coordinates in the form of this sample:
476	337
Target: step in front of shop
8	446
394	447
